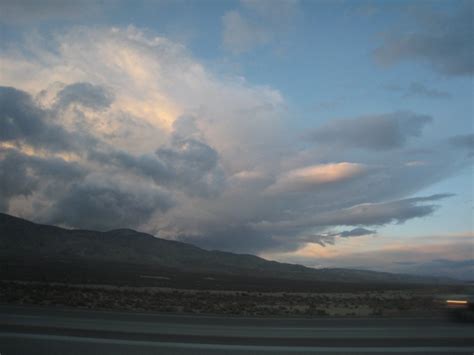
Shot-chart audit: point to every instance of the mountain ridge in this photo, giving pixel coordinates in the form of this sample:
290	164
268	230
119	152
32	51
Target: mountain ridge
21	238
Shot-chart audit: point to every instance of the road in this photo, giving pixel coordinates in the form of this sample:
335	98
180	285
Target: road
43	330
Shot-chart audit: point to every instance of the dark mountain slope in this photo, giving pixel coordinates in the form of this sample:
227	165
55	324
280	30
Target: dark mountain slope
24	240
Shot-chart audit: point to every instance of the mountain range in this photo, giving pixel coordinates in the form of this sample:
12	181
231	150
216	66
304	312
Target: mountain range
23	241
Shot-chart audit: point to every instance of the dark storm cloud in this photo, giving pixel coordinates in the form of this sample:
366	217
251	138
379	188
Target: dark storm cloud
464	141
14	180
85	94
22	121
56	168
189	154
79	199
144	165
193	166
416	89
444	41
21	175
103	204
186	163
377	132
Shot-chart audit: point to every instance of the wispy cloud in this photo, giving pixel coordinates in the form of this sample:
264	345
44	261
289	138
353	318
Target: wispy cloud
383	131
444	41
21	12
416	89
463	141
257	23
311	177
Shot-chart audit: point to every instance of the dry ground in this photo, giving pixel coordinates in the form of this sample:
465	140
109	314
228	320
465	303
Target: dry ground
355	304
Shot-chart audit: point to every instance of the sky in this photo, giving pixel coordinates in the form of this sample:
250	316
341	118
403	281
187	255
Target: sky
325	133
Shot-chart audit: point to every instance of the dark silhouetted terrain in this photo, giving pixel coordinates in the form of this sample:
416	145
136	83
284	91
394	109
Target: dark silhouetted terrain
41	252
128	270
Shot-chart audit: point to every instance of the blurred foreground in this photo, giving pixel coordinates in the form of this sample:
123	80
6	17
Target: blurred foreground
48	330
382	302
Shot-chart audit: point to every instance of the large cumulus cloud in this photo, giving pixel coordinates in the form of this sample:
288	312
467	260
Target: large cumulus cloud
83	196
121	128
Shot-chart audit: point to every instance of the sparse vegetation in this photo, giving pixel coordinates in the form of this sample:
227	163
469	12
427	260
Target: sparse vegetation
372	303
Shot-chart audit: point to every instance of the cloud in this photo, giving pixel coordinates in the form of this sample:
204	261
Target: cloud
375	132
433	255
443	41
370	214
330	238
464	141
194	166
23	175
247	239
14	180
86	94
168	132
192	163
150	138
308	178
104	203
186	163
356	232
367	214
416	89
257	23
22	121
275	11
240	35
428	259
154	81
30	11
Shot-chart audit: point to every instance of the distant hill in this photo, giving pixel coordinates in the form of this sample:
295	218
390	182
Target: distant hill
23	240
